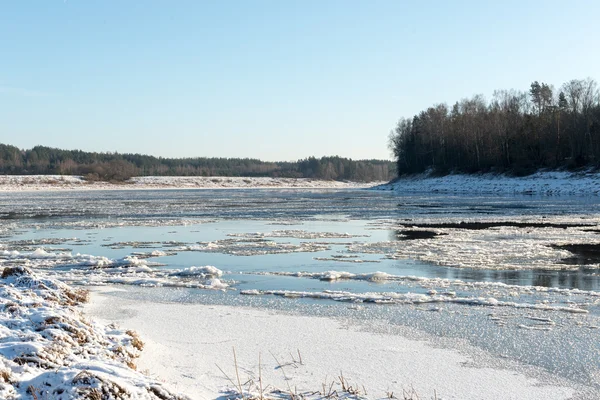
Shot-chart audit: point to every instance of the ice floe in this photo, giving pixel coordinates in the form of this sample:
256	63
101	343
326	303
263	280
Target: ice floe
522	248
83	269
252	247
297	234
410	298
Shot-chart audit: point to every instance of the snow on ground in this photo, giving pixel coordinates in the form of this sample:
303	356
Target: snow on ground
68	182
49	350
542	183
303	354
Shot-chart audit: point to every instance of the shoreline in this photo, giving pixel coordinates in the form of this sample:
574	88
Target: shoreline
53	183
546	183
543	183
50	350
185	357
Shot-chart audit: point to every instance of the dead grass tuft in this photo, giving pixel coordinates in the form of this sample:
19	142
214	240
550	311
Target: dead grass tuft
14	271
107	389
340	388
135	340
92	394
6	376
78	296
32	391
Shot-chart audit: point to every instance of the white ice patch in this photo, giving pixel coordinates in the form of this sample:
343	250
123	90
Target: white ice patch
85	269
522	248
296	234
431	283
206	271
253	247
337	275
353	260
451	290
411	298
151	254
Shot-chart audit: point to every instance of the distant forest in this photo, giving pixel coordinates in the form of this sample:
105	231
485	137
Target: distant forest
517	132
119	167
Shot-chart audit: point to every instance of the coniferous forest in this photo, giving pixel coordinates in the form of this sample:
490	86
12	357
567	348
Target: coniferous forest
516	132
118	167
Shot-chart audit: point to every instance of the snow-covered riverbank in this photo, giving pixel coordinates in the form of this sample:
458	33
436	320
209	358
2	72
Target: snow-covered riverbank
49	350
67	182
541	183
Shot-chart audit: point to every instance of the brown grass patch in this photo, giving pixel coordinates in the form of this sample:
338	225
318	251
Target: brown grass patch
6	376
135	340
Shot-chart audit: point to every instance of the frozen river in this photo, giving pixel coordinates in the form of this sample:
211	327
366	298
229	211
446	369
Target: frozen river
515	277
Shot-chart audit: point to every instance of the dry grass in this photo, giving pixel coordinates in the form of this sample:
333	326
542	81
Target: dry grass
42	309
78	296
93	394
6	376
135	340
339	388
12	271
107	389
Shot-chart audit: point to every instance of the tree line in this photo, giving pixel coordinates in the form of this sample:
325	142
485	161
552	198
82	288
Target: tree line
41	160
517	132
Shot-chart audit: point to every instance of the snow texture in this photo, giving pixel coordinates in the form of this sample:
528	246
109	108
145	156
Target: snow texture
70	182
540	183
49	350
306	354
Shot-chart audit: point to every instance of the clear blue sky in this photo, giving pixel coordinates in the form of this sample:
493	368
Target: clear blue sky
277	80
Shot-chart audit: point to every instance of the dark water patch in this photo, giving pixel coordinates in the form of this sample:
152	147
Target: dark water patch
12	215
416	235
496	224
420	205
47	215
596	231
583	253
580	278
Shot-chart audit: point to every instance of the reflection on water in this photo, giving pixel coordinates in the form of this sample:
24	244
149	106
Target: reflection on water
281	204
579	279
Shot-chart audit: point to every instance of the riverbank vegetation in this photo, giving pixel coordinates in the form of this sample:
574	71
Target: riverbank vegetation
516	132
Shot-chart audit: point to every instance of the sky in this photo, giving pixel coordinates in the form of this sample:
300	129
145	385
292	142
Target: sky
269	79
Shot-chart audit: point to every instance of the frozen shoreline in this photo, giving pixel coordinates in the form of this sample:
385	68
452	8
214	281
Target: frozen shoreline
49	350
549	183
185	357
540	183
18	183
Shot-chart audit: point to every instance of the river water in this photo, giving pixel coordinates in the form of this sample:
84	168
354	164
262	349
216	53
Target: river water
514	276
